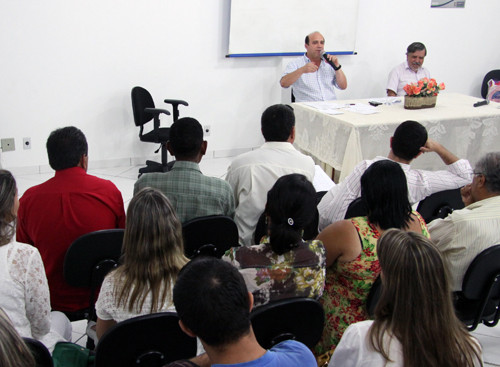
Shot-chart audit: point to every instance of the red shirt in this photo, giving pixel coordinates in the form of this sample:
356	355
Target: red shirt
55	213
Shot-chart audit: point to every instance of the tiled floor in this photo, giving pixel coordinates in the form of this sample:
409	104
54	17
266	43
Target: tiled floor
124	178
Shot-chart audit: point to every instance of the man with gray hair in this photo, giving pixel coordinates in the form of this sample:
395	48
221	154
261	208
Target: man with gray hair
466	232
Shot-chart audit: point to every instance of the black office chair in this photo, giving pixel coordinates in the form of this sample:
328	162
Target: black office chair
479	300
89	258
357	208
40	352
211	235
440	204
300	319
144	110
493	74
373	297
149	341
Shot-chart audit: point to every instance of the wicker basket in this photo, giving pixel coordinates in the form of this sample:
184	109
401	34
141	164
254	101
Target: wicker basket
416	103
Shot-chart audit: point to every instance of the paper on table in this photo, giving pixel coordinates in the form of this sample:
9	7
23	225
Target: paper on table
324	106
362	108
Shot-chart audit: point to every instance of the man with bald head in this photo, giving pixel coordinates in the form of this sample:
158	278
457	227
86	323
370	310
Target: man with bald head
313	78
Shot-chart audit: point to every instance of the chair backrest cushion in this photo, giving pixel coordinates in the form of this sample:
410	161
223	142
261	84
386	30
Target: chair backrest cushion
440	204
141	99
217	230
149	340
87	251
301	319
481	273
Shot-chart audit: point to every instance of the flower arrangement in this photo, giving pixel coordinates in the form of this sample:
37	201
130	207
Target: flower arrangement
424	88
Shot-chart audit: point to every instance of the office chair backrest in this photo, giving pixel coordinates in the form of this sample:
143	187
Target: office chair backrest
493	74
356	208
300	319
440	204
373	297
90	257
210	235
151	340
481	274
141	99
40	352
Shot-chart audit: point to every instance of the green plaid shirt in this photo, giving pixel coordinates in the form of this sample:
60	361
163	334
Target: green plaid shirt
191	193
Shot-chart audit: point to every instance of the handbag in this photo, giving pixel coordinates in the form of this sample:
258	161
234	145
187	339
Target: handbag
72	355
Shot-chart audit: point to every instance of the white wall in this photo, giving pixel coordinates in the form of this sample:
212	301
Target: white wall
75	62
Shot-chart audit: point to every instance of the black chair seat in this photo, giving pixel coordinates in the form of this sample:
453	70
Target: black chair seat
161	135
151	340
300	319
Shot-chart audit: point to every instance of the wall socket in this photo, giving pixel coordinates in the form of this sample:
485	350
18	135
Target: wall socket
7	145
26	143
206	130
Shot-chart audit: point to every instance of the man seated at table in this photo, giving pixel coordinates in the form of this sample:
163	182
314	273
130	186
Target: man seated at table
463	234
410	71
409	141
313	78
216	308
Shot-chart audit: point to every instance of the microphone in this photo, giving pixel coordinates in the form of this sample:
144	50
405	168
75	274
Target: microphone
324	54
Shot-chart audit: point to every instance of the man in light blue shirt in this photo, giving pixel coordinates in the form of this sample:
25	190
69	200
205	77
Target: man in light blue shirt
313	78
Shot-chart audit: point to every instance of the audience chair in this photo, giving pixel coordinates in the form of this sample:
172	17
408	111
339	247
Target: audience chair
440	204
211	235
493	74
356	208
144	111
373	297
300	319
40	352
151	340
89	258
479	300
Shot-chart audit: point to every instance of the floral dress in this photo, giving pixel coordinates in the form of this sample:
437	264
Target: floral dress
348	284
299	272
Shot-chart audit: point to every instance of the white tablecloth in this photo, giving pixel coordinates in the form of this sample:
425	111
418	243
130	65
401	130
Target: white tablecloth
344	140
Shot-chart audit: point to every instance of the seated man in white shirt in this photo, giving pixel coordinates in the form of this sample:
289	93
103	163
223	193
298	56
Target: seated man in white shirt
410	71
409	141
252	174
463	234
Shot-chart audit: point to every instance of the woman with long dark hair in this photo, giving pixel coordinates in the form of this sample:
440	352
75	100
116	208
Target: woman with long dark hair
351	249
283	265
415	323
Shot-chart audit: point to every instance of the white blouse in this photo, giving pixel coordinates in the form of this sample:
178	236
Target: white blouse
107	306
355	349
24	294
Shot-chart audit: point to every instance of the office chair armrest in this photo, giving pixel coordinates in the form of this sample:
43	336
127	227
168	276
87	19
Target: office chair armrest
176	102
156	111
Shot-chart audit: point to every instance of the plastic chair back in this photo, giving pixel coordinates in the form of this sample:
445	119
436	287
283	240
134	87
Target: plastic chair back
40	352
151	340
300	319
210	235
440	204
479	300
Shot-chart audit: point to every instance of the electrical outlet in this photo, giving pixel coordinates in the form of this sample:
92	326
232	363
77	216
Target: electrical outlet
27	143
7	144
206	130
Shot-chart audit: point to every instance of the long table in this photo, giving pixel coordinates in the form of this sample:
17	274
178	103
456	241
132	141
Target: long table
342	141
